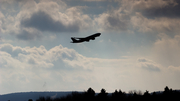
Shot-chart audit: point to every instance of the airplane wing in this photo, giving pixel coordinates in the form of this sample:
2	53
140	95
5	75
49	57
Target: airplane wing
92	37
86	38
79	38
89	37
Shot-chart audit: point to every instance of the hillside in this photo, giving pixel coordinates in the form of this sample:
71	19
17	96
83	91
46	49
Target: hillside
25	96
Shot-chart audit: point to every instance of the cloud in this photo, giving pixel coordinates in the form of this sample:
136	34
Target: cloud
66	69
29	34
113	20
174	69
63	69
92	63
140	5
33	65
142	60
32	18
44	22
151	16
13	51
51	19
2	18
94	0
160	8
164	24
142	15
40	57
25	57
166	50
148	65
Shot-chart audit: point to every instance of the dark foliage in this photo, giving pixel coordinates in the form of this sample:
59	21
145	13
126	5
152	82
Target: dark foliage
90	95
30	100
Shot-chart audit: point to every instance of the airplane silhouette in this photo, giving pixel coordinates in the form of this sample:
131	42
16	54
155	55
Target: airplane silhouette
79	40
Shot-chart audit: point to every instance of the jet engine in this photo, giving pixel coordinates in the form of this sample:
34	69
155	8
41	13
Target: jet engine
87	40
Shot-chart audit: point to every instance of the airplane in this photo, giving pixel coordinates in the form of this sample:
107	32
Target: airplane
79	40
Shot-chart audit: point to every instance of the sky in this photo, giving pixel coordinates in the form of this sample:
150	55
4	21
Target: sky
139	46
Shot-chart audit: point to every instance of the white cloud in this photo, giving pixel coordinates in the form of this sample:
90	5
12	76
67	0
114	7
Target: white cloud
23	57
65	69
33	18
40	57
27	66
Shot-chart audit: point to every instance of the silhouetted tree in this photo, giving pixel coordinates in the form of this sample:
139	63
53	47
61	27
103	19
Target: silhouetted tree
116	96
168	93
103	92
135	96
102	95
120	92
90	94
77	96
48	99
166	89
30	100
41	99
146	96
146	93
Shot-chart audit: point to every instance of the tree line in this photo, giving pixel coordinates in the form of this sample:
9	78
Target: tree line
90	95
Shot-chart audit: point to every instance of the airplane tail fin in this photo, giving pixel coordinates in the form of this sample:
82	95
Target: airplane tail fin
73	40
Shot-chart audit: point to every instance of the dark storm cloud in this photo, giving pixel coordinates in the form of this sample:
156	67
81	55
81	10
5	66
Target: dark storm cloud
171	11
44	22
116	23
25	35
115	20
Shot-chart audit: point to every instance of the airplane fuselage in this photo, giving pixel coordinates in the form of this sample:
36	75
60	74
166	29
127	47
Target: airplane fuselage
79	40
